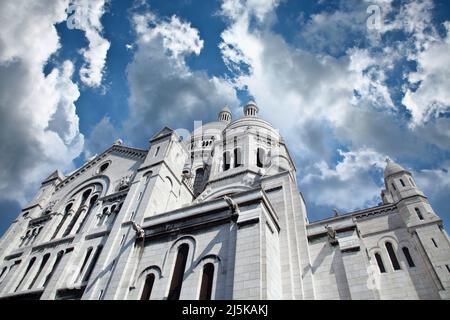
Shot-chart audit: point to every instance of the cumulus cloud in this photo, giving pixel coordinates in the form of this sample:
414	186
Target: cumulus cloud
322	98
86	15
432	97
353	183
38	123
164	90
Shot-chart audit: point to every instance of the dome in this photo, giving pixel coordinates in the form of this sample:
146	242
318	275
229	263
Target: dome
225	115
392	168
251	109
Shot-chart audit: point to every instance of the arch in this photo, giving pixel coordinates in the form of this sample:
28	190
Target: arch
226	160
30	264
3	273
237	157
260	157
198	181
169	182
84	196
55	265
178	272
148	286
92	203
93	263
402	183
408	257
207	281
380	263
392	256
393	186
86	258
41	266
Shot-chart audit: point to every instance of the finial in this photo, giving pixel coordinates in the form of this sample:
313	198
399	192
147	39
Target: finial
118	142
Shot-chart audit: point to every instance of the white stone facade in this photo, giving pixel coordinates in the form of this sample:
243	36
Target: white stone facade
217	216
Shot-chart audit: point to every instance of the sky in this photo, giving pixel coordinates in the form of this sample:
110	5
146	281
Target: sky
348	83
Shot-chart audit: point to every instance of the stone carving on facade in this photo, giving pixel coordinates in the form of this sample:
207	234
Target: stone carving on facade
331	233
124	183
140	233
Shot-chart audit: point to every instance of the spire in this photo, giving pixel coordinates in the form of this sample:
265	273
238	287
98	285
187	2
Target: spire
392	167
225	114
251	109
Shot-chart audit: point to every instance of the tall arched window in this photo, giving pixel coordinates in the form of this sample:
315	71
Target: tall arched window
380	262
66	214
178	272
55	265
408	257
43	263
84	198
86	258
419	214
403	183
207	282
226	161
93	263
92	203
393	186
198	181
148	286
260	157
392	256
237	157
30	264
3	273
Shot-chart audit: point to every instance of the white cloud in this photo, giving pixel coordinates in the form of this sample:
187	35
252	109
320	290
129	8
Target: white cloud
85	15
432	97
350	184
164	90
38	124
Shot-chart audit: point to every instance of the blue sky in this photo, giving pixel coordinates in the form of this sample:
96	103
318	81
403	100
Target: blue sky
348	83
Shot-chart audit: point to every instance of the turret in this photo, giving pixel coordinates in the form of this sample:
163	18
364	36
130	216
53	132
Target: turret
251	109
225	115
402	190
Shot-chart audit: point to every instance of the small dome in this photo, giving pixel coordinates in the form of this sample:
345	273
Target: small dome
225	114
391	168
251	109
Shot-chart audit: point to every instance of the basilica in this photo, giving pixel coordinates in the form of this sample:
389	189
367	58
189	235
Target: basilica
217	215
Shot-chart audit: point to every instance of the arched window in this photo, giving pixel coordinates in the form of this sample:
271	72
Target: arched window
226	161
66	214
92	203
72	223
198	181
43	263
148	286
178	272
419	214
408	257
103	167
55	265
434	242
30	264
157	151
380	262
93	263
393	186
412	182
392	256
3	273
260	157
86	258
403	184
207	282
237	157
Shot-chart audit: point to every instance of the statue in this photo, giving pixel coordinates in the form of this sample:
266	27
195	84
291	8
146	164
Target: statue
336	212
140	233
331	235
233	205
